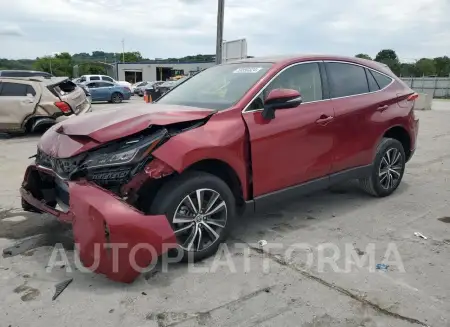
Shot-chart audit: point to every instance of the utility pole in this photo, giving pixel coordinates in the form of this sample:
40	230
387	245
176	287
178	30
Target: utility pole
219	39
123	50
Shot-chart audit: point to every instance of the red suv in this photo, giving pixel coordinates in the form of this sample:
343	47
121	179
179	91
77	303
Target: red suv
231	139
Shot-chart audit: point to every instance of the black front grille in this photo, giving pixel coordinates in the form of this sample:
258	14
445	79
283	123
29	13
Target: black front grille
62	166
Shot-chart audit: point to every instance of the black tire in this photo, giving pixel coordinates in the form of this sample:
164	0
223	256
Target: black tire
376	184
116	97
170	197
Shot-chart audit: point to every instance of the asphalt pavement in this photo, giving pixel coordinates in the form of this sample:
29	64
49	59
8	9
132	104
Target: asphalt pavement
320	263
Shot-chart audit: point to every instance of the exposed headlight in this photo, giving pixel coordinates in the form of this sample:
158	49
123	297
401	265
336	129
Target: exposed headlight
129	152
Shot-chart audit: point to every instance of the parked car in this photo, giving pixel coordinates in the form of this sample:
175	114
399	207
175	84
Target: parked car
232	139
24	73
31	103
140	90
90	78
106	91
168	85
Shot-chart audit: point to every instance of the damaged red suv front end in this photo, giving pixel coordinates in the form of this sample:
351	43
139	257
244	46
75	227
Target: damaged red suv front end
94	181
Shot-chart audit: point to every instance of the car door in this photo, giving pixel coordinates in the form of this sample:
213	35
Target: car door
93	89
296	146
17	101
105	90
357	104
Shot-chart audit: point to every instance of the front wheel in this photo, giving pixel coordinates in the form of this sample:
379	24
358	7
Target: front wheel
200	208
388	169
116	98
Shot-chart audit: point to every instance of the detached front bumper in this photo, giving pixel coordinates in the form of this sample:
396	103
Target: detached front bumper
112	237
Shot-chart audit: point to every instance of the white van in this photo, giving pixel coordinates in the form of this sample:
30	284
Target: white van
90	78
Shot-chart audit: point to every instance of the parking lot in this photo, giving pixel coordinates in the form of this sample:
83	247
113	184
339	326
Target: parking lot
250	285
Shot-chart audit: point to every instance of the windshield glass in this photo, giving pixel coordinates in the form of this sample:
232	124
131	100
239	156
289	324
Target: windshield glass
218	87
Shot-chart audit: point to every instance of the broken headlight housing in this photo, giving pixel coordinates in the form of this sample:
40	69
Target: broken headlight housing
128	152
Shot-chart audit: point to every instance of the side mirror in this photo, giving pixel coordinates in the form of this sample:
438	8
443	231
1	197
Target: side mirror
280	99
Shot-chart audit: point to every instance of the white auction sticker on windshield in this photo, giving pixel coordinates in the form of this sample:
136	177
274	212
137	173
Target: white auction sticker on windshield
247	70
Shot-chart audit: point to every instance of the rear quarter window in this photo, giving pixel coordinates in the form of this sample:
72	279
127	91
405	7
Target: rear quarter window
346	79
13	89
381	79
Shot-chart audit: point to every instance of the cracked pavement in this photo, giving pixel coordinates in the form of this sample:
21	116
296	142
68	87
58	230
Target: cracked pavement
263	286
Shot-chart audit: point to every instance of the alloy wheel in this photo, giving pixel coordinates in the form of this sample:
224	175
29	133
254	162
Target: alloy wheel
200	219
391	169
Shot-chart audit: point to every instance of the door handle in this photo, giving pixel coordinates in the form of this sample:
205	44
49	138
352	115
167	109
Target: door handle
324	120
382	108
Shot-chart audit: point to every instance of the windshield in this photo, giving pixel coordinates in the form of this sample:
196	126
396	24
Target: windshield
218	87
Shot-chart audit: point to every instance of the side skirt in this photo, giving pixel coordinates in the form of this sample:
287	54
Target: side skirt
267	200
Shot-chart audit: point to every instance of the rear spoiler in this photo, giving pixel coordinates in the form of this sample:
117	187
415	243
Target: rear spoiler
55	81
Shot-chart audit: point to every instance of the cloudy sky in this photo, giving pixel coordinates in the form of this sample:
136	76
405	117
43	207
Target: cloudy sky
175	28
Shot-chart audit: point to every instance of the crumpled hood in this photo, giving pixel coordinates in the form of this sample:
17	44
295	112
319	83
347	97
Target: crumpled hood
108	125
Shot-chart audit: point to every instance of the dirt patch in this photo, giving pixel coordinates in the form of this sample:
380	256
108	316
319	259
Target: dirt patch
28	293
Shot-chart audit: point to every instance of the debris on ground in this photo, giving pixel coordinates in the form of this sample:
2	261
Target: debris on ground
420	235
60	287
24	245
359	252
262	243
382	266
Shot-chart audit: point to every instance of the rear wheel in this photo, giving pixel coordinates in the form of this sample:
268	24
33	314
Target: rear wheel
200	208
388	169
116	97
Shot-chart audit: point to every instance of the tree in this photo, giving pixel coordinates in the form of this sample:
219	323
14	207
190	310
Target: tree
390	58
442	66
58	65
363	56
132	56
407	70
425	67
387	54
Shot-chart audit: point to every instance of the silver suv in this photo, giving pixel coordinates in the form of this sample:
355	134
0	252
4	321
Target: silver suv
31	103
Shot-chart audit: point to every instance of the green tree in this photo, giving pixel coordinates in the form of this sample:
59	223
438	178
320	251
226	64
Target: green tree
390	58
425	67
442	66
407	70
58	65
363	56
131	56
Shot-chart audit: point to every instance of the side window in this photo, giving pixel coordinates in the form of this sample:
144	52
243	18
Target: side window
107	78
304	78
92	85
381	79
346	79
103	84
13	89
373	85
94	78
31	90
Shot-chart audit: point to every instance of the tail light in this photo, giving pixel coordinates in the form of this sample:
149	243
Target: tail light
412	97
63	106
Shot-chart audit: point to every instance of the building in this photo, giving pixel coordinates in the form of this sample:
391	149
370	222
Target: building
156	70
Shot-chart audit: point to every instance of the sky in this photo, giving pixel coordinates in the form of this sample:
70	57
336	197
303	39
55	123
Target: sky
176	28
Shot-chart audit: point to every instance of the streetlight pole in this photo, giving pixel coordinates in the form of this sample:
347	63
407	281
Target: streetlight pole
219	39
123	50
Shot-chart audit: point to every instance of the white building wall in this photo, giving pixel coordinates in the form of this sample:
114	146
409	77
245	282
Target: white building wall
149	70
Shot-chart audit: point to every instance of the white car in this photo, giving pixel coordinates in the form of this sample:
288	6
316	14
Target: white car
90	78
